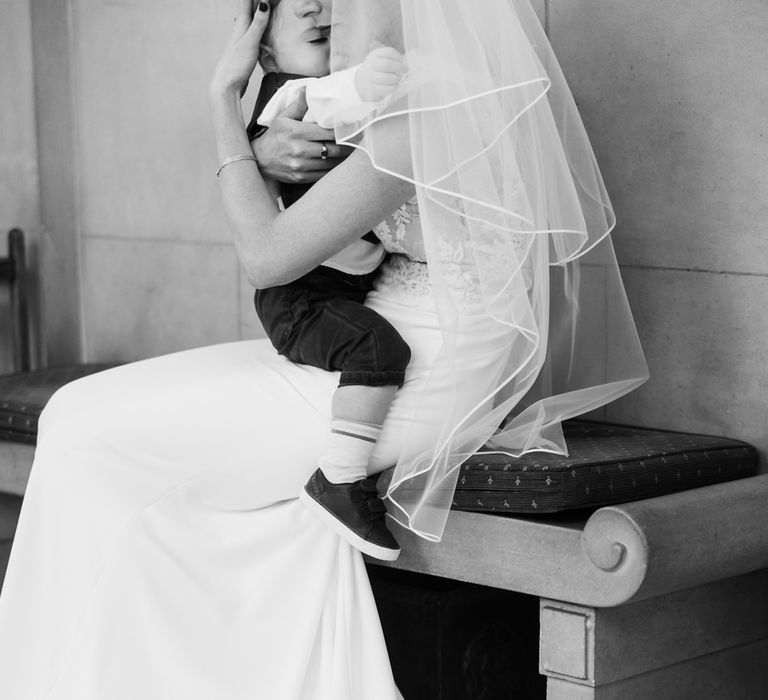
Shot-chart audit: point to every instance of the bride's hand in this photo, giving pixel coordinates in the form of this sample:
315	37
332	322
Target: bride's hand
292	150
237	63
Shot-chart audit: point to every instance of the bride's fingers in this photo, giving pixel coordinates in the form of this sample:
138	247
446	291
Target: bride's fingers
243	16
259	20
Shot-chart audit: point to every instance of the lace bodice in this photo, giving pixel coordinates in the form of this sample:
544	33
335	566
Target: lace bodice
405	274
401	232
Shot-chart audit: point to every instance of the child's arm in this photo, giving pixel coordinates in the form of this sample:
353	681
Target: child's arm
345	96
352	94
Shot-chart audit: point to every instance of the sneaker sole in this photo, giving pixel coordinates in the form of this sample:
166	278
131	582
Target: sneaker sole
372	550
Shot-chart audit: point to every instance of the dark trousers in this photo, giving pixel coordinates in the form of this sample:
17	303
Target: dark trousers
320	320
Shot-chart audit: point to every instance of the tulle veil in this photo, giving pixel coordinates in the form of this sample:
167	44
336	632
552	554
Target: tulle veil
511	198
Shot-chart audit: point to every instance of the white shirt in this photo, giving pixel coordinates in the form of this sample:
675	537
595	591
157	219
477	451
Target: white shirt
331	100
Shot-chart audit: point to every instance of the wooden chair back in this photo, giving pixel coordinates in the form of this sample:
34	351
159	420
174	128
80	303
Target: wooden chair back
13	270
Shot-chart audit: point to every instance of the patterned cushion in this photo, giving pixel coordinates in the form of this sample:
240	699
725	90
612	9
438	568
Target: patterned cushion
607	464
23	397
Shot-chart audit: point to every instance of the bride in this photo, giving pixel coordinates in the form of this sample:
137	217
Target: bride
161	550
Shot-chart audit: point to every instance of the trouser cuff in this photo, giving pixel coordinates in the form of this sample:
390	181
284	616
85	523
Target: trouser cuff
388	378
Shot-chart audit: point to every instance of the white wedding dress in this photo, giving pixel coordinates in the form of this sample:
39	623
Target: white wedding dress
162	553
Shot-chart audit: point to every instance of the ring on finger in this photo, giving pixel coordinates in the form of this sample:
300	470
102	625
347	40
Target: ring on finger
324	152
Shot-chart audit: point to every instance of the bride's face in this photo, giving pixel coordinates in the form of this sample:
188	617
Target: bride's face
299	37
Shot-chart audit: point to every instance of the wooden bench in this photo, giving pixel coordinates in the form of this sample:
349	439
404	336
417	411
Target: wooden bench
15	458
24	386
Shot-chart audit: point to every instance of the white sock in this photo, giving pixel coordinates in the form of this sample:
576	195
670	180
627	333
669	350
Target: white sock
349	450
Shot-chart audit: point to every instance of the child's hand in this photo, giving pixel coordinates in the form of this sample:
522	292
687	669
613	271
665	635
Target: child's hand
380	74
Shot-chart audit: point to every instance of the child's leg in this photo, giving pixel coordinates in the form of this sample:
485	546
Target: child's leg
340	492
369	404
358	414
343	334
372	358
374	361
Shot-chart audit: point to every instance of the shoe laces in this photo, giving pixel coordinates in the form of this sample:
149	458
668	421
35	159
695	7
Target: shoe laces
369	499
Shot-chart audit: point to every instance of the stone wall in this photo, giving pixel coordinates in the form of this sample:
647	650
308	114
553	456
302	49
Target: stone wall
19	187
675	98
159	272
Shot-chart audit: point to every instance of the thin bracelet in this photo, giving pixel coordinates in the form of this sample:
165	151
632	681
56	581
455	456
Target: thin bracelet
234	159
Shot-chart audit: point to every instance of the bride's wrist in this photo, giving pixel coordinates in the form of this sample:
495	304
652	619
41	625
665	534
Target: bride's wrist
226	109
224	93
228	125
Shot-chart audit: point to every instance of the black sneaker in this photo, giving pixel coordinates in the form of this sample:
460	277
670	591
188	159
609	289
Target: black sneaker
354	511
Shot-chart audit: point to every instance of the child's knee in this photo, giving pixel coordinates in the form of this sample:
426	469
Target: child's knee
398	351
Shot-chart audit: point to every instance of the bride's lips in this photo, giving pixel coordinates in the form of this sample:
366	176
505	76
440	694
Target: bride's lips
319	35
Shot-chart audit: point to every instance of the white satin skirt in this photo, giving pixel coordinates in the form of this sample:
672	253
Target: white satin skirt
162	553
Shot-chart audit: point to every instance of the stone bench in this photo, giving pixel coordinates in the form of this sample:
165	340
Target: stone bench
663	598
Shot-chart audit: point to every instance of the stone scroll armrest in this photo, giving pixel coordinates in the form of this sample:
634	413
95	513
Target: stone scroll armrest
685	539
620	553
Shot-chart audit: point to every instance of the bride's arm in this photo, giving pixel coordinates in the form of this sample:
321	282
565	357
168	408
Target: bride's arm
277	247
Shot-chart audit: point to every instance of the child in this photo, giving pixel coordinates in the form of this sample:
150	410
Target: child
320	318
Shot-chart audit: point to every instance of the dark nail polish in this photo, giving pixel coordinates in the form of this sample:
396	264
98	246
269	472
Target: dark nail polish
263	6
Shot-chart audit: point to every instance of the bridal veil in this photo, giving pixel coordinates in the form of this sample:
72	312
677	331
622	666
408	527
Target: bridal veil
514	214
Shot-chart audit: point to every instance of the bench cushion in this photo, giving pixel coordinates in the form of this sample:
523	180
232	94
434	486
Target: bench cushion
23	397
607	464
